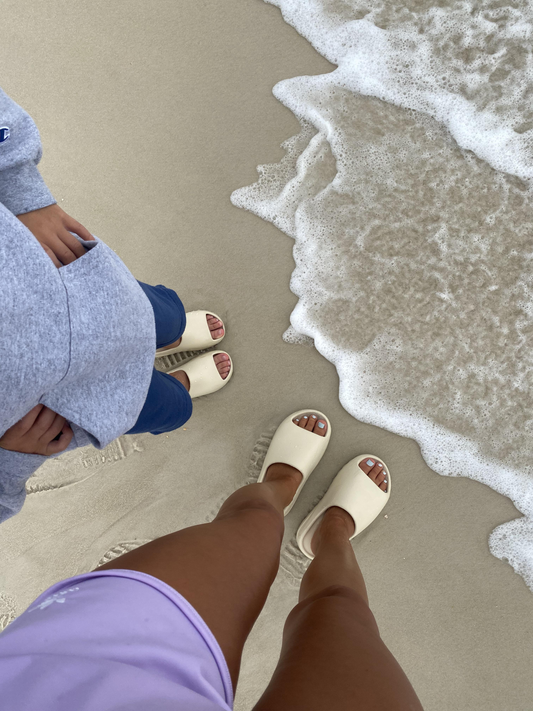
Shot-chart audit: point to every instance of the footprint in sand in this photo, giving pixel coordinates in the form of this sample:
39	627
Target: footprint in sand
8	610
78	465
120	549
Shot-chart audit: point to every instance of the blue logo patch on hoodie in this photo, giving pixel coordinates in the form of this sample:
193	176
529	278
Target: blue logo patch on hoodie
4	133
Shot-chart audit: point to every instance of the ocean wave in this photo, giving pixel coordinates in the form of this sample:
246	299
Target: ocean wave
407	194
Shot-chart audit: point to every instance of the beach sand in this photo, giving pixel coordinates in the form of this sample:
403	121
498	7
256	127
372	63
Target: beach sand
151	114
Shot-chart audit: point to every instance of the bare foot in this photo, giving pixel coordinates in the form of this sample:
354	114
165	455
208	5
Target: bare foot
337	521
222	362
215	326
311	422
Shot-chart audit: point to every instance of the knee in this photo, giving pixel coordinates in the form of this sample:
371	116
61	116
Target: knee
250	501
333	604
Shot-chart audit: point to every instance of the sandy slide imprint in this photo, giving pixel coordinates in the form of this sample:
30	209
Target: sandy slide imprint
414	258
119	550
252	471
8	610
8	605
165	363
73	468
76	466
293	563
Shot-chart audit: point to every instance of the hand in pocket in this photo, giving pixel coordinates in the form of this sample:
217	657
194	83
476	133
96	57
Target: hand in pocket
51	226
41	431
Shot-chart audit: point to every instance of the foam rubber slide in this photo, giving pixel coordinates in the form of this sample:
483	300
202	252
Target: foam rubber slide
203	374
353	491
297	447
196	336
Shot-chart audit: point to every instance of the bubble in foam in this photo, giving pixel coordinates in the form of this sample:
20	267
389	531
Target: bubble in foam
413	256
291	335
467	66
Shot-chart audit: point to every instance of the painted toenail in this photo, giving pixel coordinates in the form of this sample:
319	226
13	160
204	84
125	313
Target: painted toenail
305	417
321	425
314	417
370	462
379	464
384	481
297	420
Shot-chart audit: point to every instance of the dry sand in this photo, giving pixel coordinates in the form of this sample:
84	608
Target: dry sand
150	115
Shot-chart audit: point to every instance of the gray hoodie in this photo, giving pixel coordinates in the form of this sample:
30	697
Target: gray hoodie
79	339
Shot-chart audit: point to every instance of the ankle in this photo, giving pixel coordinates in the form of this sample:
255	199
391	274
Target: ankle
183	378
336	526
284	480
285	474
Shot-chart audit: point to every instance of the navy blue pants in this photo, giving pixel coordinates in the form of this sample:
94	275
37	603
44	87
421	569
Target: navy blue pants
168	404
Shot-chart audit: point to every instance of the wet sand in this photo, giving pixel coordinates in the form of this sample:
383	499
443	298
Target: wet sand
150	116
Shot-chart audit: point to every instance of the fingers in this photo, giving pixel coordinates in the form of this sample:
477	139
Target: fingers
65	438
51	255
43	422
65	247
72	243
26	422
47	427
52	227
55	428
74	226
36	431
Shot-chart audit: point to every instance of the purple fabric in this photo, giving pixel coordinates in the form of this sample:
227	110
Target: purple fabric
113	640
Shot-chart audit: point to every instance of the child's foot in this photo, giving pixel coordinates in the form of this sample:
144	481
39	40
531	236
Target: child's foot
215	327
222	361
291	476
337	521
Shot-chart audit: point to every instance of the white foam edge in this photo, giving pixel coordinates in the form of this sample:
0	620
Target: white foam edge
447	453
478	131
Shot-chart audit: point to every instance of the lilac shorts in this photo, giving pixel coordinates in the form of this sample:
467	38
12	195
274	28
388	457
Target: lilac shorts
108	641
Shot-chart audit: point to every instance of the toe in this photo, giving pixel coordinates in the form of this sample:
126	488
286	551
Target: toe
375	470
321	427
380	478
223	364
304	419
367	464
310	421
215	326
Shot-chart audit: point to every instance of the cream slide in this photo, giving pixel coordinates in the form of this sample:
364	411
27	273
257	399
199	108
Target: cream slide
203	374
297	447
353	491
196	336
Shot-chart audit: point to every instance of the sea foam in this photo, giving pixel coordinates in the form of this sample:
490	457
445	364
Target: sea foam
408	194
